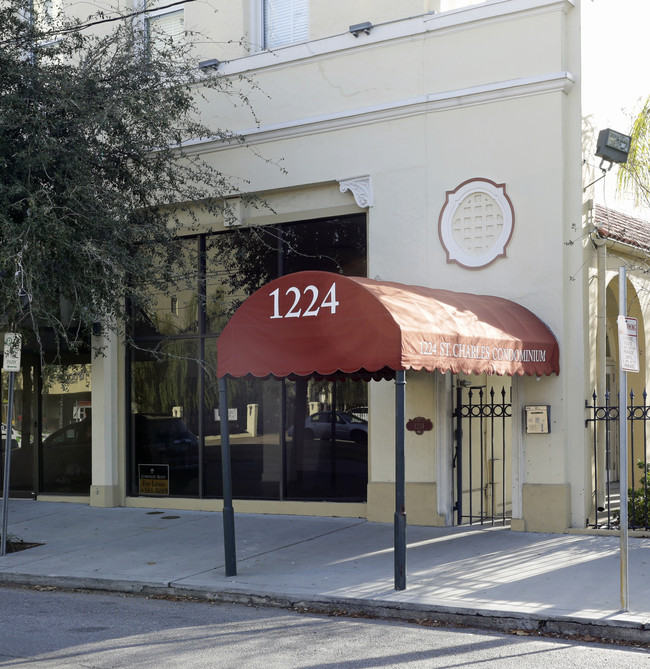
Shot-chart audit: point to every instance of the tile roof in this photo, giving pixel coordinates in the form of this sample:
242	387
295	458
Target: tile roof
620	227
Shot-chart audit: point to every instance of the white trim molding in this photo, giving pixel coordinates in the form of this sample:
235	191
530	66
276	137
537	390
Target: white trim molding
553	82
361	188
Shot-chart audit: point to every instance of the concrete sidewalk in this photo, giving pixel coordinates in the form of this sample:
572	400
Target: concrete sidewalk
480	577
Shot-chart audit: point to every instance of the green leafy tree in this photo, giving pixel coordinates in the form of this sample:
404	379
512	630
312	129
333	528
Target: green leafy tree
634	175
96	179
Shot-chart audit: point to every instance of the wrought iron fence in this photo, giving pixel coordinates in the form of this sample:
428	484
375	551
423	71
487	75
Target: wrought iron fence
606	483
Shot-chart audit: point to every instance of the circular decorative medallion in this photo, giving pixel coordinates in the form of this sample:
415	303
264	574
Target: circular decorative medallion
476	223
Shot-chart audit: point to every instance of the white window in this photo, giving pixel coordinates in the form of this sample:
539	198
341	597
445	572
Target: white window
164	27
285	22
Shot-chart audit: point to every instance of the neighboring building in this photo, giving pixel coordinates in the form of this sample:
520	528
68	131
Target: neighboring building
431	143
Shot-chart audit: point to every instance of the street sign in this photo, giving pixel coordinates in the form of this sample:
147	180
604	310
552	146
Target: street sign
628	343
11	359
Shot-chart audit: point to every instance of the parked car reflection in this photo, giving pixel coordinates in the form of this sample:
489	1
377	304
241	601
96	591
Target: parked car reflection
66	453
15	437
66	457
346	427
165	440
359	412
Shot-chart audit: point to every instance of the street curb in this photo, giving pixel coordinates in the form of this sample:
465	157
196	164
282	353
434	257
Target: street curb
510	622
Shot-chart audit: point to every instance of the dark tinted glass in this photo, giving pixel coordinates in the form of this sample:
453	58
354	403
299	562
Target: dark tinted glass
165	417
173	309
174	377
65	452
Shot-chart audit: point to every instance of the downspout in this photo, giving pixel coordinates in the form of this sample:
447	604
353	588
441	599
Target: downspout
600	465
601	372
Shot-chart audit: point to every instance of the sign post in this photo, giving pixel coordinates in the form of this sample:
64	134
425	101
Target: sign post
228	514
628	354
11	364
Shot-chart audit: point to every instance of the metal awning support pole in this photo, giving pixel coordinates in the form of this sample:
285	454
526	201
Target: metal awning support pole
228	511
622	426
400	506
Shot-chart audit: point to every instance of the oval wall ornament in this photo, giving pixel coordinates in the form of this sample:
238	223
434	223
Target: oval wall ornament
476	223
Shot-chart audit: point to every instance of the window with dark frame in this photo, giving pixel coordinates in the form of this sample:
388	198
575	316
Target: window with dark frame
171	373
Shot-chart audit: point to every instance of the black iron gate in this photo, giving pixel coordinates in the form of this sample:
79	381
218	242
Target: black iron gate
606	487
483	486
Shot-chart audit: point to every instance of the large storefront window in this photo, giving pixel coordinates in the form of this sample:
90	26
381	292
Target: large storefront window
290	440
24	429
52	426
327	444
66	429
273	457
165	420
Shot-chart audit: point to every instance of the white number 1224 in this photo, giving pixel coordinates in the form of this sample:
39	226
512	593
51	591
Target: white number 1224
310	293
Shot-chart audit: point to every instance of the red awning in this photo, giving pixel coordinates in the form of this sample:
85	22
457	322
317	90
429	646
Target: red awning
324	324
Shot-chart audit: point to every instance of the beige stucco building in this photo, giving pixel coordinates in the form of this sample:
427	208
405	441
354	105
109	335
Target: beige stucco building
450	135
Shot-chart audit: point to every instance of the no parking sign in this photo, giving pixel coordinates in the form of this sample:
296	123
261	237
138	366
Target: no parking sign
628	343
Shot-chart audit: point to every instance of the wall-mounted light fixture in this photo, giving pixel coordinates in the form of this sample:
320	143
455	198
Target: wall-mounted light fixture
612	147
212	63
359	28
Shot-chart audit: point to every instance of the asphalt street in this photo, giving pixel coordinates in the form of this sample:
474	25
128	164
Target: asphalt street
489	577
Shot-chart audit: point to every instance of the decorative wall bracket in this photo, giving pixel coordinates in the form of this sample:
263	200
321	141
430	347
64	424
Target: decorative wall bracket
361	188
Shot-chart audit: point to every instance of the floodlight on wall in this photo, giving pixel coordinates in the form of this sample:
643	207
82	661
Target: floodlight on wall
212	63
359	28
612	147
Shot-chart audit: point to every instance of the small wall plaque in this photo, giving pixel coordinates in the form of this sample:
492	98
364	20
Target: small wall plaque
537	419
419	425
